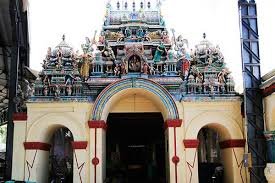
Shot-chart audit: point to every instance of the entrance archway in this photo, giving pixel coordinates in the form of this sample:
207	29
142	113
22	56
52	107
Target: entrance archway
38	146
135	147
134	95
231	145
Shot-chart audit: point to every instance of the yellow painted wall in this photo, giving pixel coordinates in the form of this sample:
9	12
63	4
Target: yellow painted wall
269	112
44	118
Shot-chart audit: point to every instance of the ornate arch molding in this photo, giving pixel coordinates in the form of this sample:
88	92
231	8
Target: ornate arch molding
227	127
140	83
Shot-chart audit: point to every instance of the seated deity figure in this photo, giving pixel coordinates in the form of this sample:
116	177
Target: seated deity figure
134	64
117	70
128	33
161	50
108	52
140	33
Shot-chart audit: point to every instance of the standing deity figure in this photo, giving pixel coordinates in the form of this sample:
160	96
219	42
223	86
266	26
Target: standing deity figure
185	68
128	33
140	33
49	53
69	90
221	76
45	91
123	68
145	68
101	38
59	58
57	91
159	52
165	37
85	67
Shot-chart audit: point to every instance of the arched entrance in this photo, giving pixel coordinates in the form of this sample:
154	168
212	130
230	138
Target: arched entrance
61	156
230	143
134	98
39	147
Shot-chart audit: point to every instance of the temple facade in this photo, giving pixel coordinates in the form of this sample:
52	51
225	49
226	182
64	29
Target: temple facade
135	105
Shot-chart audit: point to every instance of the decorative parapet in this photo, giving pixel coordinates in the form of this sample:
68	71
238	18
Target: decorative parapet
134	43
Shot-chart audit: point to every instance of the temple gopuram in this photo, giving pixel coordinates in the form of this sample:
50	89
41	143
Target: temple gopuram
136	104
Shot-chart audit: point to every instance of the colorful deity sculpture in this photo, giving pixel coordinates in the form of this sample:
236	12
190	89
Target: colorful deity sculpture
161	50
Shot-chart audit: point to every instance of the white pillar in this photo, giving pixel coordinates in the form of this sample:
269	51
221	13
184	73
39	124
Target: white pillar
191	159
97	151
172	170
37	161
232	152
18	159
80	162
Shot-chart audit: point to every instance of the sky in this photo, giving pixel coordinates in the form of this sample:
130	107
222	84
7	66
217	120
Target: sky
219	19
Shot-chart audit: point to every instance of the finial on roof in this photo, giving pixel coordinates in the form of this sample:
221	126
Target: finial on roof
63	37
204	35
149	5
118	5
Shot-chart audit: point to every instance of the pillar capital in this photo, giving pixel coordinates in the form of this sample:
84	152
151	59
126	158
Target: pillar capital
20	116
37	146
79	144
232	143
172	123
97	124
191	143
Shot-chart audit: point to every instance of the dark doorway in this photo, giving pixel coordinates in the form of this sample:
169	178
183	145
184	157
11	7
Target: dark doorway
209	157
135	148
61	157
